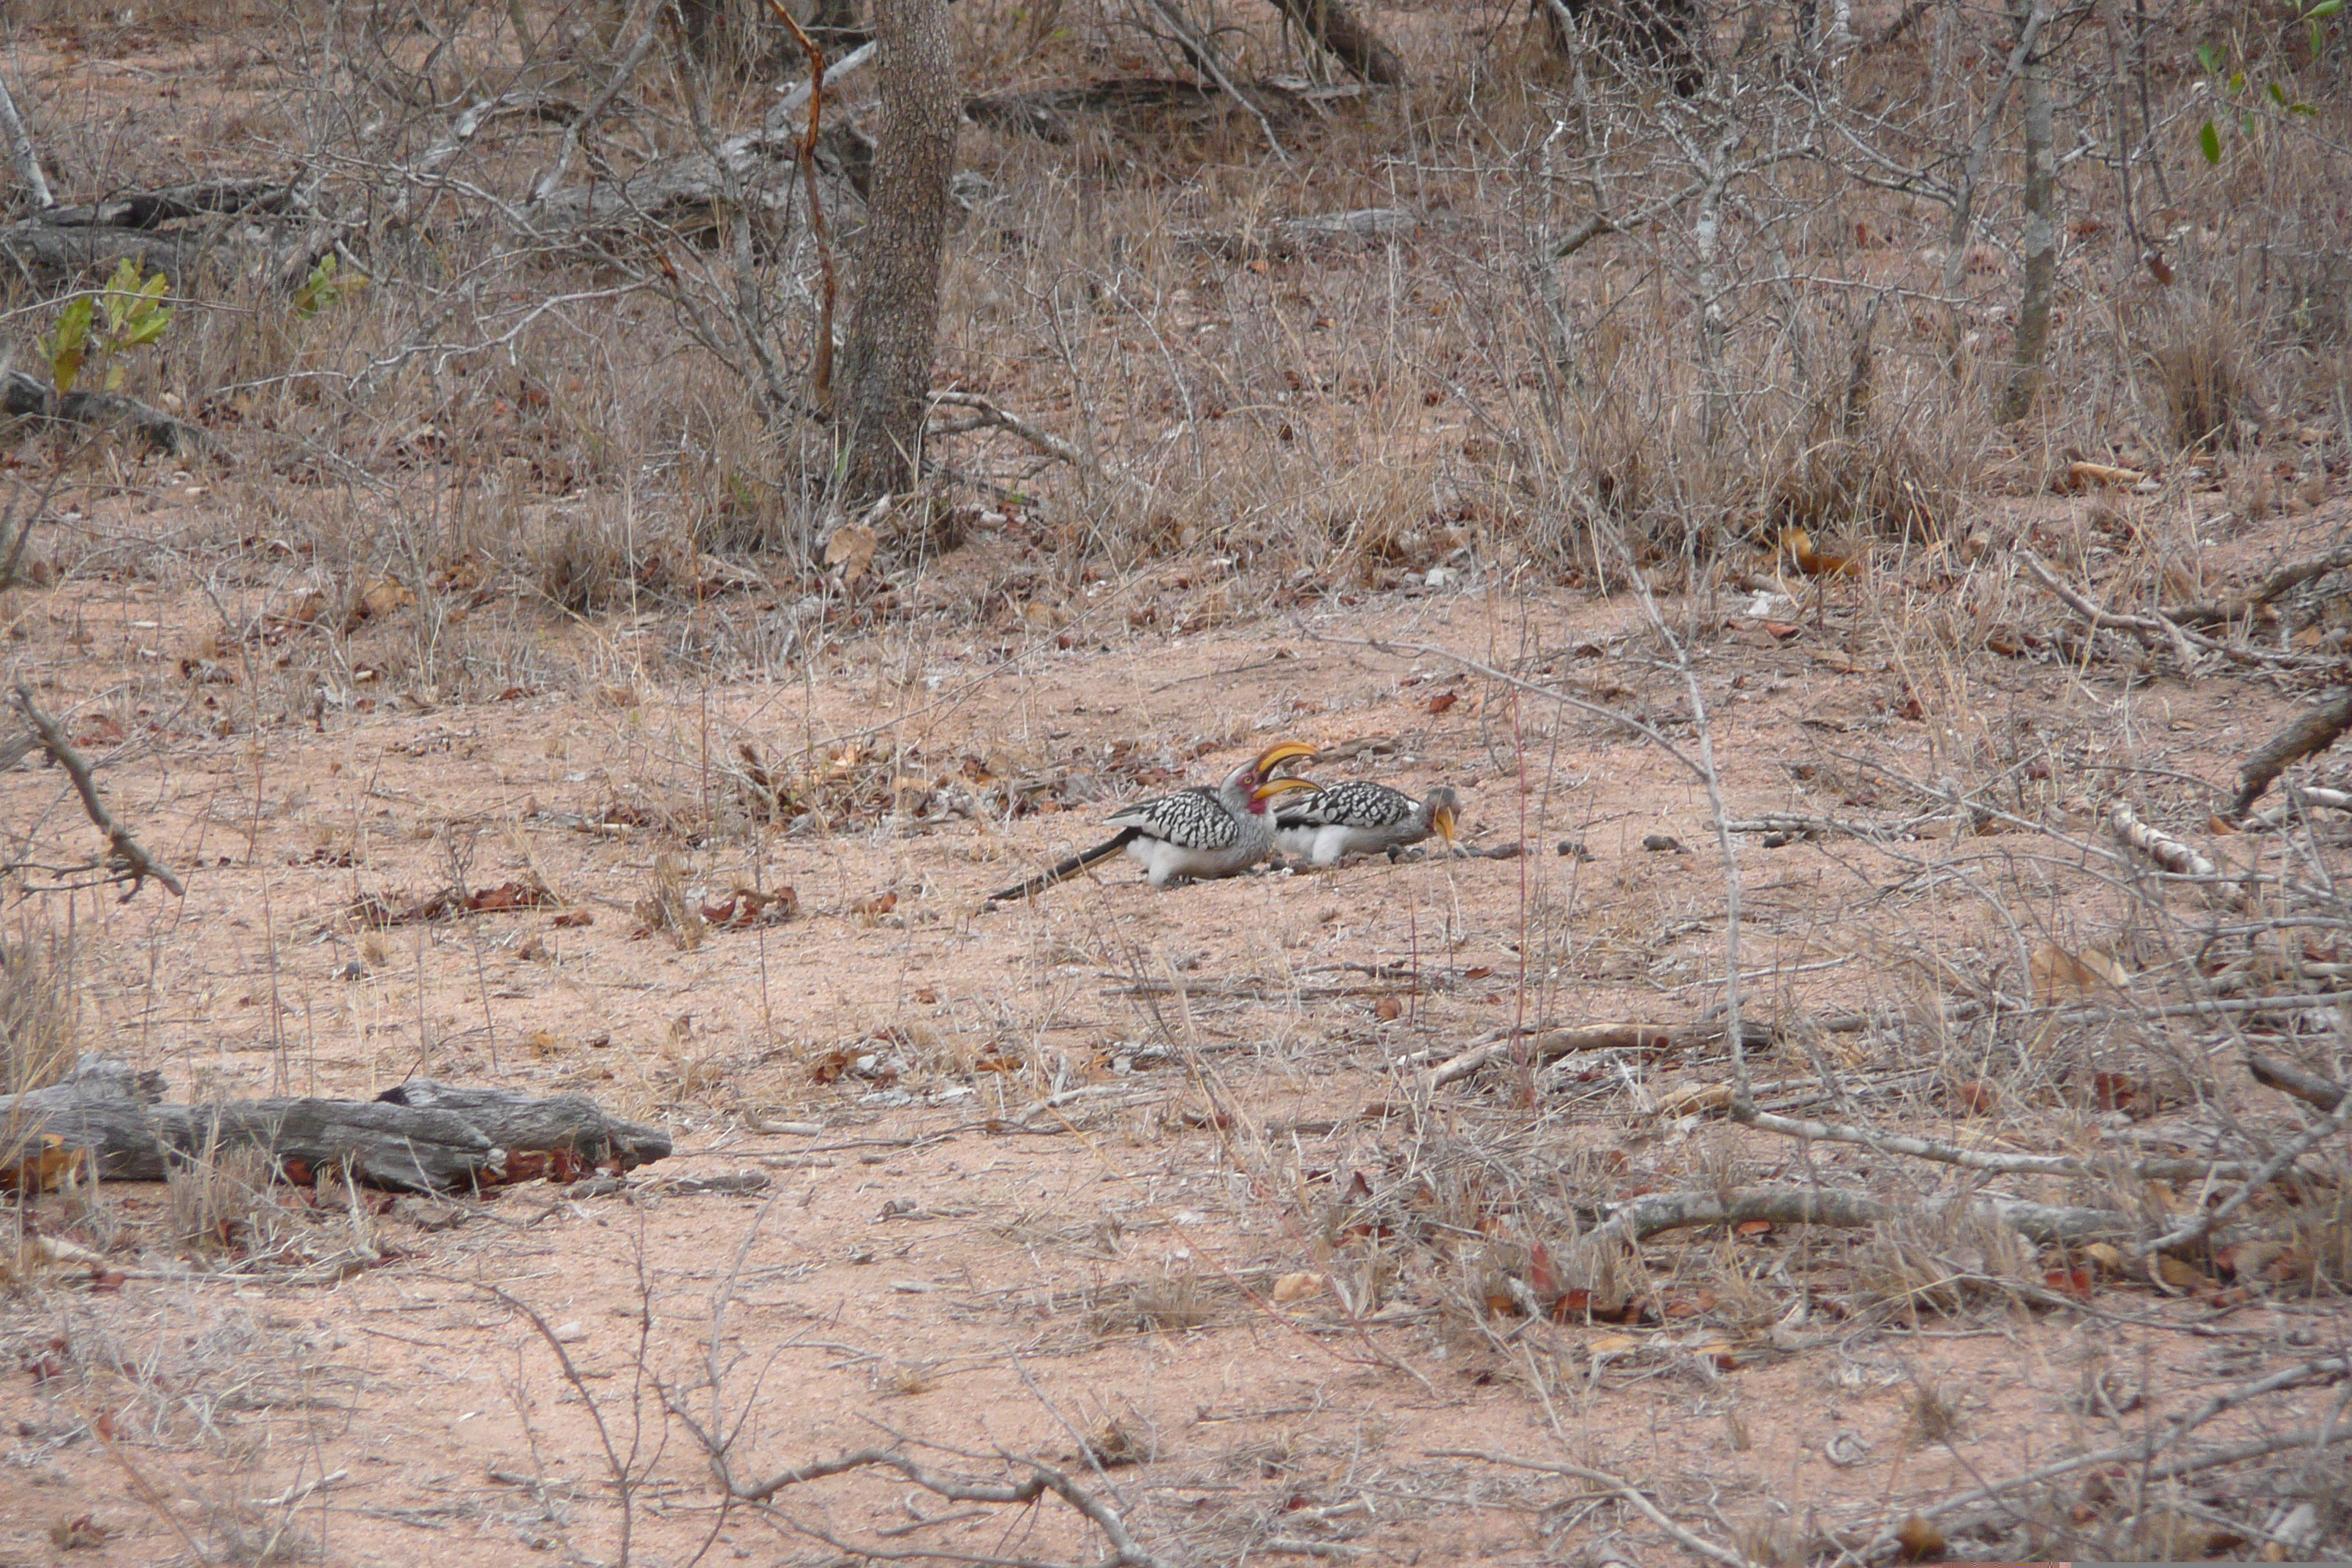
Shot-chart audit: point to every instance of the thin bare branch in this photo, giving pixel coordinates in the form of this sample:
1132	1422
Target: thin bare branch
122	850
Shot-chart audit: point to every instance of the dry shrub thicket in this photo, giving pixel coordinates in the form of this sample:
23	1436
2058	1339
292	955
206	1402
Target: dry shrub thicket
1597	324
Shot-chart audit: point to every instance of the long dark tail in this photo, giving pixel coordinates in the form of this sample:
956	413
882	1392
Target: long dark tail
1069	867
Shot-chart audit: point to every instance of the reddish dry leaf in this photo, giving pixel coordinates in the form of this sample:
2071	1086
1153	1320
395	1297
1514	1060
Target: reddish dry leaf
1976	1098
1541	1277
1781	631
507	897
2074	1282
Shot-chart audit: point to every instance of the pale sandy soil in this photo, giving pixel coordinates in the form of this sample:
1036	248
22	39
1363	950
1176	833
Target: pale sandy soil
940	1254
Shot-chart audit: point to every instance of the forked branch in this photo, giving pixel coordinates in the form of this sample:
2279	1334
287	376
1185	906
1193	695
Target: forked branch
1041	1478
125	854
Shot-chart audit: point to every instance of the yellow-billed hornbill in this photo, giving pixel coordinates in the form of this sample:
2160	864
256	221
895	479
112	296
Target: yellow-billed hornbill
1363	817
1192	835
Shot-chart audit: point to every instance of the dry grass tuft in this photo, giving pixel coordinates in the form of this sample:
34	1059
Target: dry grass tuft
219	1203
37	1032
2208	392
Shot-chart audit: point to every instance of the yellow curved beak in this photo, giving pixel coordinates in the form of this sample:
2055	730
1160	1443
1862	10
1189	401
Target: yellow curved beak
1442	820
1281	751
1272	788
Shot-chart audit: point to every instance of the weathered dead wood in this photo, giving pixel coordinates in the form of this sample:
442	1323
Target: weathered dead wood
435	1138
1290	237
1348	38
2313	732
685	193
2172	854
1649	1216
22	155
2309	1088
203	198
62	244
22	397
570	1124
2286	579
45	253
1552	1043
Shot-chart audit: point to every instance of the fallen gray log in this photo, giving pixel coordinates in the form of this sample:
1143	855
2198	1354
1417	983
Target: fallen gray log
50	252
435	1138
572	1123
25	398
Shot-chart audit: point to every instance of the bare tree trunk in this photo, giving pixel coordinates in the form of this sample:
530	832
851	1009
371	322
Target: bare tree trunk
1964	202
894	313
21	153
2040	242
1350	40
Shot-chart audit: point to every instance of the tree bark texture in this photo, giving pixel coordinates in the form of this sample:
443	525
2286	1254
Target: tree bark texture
894	313
2040	241
1335	26
431	1138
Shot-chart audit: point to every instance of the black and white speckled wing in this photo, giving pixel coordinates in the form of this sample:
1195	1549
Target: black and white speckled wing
1357	804
1192	819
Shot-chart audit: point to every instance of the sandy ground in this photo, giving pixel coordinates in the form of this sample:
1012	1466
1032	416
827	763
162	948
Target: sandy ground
1211	1237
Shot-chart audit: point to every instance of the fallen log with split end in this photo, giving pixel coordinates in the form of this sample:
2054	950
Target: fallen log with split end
22	397
420	1137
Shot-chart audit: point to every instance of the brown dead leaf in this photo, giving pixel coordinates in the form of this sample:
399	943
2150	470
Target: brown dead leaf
1695	1097
66	1534
1976	1098
2081	476
507	897
1920	1542
44	1168
850	552
1292	1288
746	907
379	599
1781	631
2181	1275
2059	974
